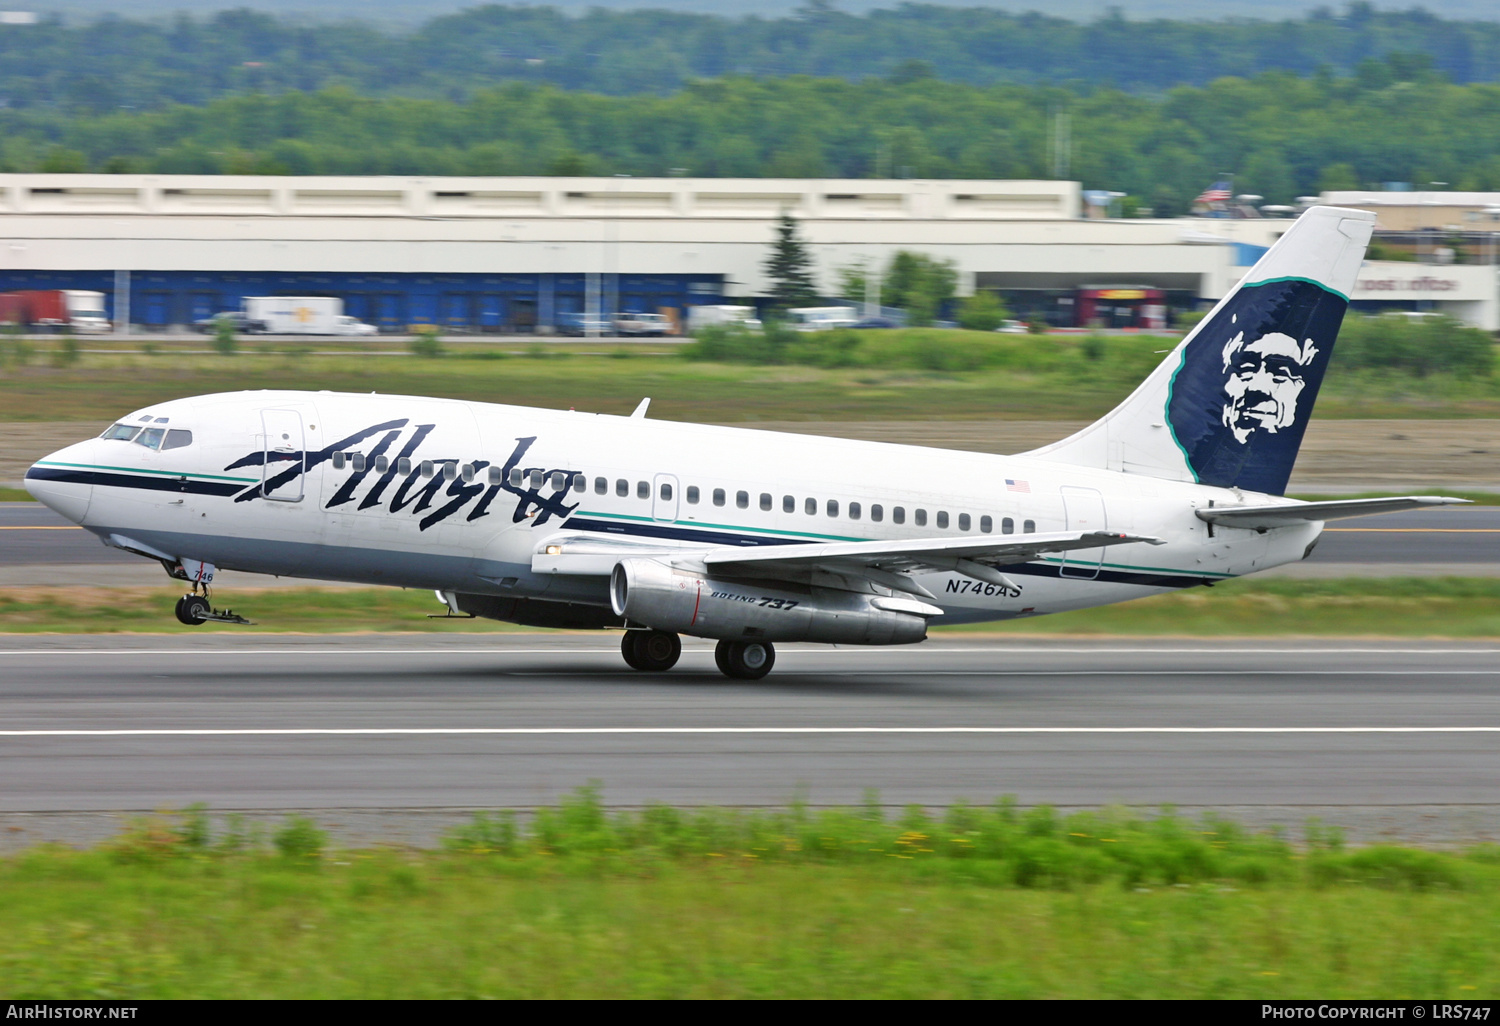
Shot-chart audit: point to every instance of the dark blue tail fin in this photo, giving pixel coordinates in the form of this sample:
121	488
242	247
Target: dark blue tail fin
1231	403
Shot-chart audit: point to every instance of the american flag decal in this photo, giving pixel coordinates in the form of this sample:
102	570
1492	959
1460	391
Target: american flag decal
1017	486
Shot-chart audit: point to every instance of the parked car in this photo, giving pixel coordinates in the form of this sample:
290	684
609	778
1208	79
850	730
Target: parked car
876	322
653	324
238	322
582	324
1010	327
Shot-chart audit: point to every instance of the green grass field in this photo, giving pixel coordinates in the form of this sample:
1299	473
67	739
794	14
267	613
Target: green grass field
1356	607
918	374
574	902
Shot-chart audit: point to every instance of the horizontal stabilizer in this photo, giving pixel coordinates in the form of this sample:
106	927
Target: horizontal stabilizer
1261	518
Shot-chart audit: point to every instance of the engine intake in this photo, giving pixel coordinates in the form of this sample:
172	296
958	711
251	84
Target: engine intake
667	598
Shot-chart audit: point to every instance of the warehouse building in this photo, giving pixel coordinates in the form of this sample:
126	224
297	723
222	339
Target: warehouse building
503	255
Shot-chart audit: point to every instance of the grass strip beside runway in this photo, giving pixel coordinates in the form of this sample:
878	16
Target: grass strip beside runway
915	374
1409	607
577	902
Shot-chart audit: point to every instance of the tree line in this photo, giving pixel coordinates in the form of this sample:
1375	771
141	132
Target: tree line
120	62
1283	135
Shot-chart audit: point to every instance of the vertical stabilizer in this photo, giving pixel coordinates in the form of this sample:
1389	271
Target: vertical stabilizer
1230	404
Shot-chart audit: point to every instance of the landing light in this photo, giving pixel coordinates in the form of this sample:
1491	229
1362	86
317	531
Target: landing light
554	550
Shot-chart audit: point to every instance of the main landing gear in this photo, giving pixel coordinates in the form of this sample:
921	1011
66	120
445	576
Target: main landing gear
659	650
650	650
745	660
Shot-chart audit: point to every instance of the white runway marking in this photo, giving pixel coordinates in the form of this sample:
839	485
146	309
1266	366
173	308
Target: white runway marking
526	731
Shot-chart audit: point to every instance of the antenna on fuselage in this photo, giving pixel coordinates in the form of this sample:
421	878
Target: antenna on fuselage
640	411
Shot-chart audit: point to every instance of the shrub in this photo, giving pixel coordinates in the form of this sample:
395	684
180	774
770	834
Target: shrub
424	341
224	340
1419	346
983	311
299	838
66	353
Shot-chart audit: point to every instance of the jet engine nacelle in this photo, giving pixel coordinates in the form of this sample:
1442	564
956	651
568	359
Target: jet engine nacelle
667	598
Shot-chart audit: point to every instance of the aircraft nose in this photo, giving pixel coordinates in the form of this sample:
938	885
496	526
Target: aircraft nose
64	482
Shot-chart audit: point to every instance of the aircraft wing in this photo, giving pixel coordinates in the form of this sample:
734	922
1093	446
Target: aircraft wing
888	562
1260	518
881	562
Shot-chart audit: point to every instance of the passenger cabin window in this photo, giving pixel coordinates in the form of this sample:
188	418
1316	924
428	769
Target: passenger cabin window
1007	526
898	515
559	480
810	507
666	492
833	507
1029	527
338	461
692	495
468	472
120	433
742	500
622	487
403	466
788	504
765	501
580	483
987	524
382	465
538	478
854	511
496	475
877	512
963	522
450	471
516	477
718	496
921	518
426	468
151	437
601	486
358	460
643	489
942	518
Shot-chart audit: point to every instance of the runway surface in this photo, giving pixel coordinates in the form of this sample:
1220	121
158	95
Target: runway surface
1463	539
97	724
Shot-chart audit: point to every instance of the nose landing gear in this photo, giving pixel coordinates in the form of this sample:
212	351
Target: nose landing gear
194	608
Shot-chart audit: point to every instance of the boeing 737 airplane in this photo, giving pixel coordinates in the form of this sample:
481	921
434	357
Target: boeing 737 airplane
577	520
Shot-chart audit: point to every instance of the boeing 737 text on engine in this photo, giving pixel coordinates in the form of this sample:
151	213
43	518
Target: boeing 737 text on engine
563	519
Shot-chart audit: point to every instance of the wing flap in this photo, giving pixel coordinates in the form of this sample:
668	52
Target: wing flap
1261	518
919	553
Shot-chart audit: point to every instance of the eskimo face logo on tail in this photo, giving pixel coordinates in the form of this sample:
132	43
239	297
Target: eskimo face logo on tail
1266	378
1242	394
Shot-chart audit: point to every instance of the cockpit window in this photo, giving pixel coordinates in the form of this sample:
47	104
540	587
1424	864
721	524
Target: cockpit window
151	437
177	438
120	433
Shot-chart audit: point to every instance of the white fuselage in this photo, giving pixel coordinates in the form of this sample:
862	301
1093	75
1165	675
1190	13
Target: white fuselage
241	496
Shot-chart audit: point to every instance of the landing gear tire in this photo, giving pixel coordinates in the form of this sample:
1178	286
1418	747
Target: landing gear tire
627	649
653	651
193	609
745	660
